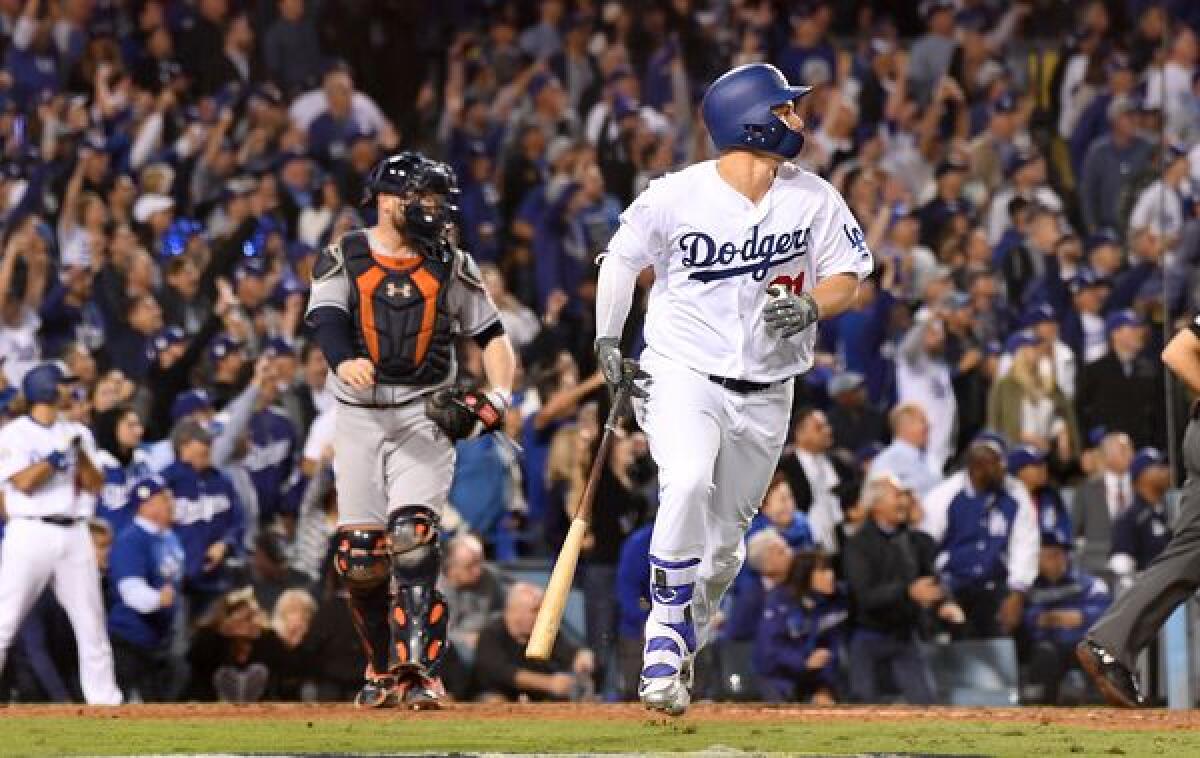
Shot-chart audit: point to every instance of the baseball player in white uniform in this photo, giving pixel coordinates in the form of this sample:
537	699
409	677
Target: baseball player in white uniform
50	482
715	392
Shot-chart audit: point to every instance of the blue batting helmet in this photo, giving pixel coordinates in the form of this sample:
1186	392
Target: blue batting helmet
40	384
737	110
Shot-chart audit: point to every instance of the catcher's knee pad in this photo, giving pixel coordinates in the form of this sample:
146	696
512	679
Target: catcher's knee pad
361	559
418	611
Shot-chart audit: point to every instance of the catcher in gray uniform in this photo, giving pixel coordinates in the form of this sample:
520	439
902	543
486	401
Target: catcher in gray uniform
386	306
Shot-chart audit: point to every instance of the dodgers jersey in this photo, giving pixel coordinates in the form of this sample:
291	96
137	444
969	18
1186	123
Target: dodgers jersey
715	253
24	442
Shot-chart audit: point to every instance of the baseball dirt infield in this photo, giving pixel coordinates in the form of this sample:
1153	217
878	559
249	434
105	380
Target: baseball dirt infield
472	728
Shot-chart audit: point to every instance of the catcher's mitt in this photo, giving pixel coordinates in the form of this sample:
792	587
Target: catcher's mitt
464	413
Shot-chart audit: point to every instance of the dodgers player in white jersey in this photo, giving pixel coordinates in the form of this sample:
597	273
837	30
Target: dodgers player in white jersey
50	484
715	392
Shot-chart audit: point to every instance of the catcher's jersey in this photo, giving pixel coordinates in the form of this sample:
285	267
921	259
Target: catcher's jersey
465	300
715	253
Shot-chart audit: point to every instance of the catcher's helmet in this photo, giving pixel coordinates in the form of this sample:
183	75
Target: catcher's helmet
40	384
411	175
737	110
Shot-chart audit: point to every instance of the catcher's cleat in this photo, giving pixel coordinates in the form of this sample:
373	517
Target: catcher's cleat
379	692
421	692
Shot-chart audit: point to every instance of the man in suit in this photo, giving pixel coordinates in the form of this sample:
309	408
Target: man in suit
820	483
1123	391
1110	651
1100	501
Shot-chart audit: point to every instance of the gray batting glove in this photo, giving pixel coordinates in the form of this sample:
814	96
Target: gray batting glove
616	369
788	314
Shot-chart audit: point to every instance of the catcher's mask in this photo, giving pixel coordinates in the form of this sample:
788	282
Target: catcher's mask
428	190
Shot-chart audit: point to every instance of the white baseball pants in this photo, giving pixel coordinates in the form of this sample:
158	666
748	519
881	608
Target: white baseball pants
716	451
35	553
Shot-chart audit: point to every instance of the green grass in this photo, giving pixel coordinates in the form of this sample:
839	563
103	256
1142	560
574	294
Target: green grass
100	736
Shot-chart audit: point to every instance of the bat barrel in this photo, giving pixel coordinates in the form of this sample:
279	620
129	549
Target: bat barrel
549	618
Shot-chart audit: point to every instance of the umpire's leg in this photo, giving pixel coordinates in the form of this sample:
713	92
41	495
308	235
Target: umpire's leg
1133	621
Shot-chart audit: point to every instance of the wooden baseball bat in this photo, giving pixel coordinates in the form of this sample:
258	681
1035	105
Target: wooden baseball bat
549	618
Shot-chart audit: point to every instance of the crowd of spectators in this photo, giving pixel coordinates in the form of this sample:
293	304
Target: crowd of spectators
978	452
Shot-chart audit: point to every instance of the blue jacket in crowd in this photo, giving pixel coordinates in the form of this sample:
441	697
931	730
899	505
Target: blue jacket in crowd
157	559
983	536
1141	532
207	511
789	630
1074	592
633	584
113	504
1053	516
746	600
271	459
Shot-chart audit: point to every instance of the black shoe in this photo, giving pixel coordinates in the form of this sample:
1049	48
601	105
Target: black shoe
1117	684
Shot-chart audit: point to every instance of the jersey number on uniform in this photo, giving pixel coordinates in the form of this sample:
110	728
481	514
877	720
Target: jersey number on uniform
794	283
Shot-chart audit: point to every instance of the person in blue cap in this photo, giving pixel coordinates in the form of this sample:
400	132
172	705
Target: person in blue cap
1028	464
1062	604
272	449
146	568
1080	304
985	526
173	355
209	518
1141	532
227	366
1123	391
1110	165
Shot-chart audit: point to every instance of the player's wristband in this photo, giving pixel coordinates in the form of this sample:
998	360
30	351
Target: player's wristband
501	397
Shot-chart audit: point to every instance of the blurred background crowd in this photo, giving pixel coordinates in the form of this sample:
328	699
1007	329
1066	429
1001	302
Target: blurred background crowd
1027	177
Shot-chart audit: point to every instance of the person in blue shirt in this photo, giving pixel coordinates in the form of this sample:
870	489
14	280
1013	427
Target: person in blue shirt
1141	532
905	457
800	634
146	567
633	608
778	512
806	43
986	528
68	311
1062	604
479	206
271	454
1028	464
209	519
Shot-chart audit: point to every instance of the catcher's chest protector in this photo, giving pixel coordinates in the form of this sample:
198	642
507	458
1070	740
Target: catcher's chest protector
400	314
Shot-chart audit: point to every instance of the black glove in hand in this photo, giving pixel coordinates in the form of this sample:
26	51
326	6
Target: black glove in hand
463	414
789	314
616	368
